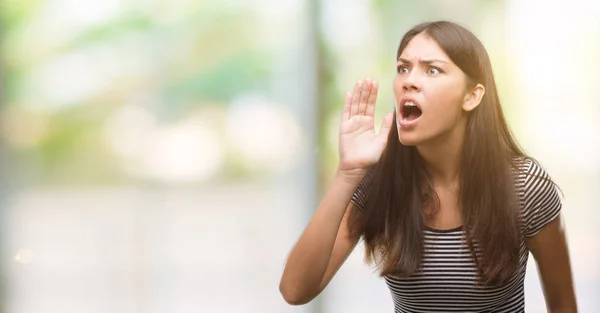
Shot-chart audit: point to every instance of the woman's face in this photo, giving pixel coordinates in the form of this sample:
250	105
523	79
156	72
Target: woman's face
430	92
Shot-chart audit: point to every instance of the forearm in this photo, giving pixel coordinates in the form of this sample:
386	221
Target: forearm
563	309
308	260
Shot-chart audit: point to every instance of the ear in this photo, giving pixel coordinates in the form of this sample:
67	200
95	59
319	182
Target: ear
473	98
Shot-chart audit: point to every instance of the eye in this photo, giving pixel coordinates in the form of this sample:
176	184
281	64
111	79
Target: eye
402	69
433	71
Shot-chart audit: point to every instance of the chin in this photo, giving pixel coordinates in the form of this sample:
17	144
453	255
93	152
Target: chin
408	139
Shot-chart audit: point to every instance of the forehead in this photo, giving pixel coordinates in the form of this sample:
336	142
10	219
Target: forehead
423	47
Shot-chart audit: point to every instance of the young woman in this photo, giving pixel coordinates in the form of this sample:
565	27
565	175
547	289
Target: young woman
446	203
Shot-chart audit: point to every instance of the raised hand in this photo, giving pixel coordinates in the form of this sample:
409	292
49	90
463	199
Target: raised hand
359	146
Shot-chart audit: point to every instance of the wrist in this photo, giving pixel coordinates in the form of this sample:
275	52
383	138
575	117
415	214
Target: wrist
349	177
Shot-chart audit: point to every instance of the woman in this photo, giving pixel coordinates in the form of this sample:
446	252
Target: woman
446	203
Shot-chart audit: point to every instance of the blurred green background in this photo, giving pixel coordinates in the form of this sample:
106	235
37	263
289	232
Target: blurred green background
164	156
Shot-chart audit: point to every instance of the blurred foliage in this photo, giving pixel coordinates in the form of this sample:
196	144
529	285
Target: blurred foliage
203	55
115	28
243	72
15	12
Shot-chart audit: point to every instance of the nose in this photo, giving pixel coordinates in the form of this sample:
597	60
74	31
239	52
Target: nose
410	82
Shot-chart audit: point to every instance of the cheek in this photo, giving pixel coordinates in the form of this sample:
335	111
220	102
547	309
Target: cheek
397	85
446	97
445	105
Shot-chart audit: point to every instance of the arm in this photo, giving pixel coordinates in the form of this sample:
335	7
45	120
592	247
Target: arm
546	239
549	249
325	243
322	248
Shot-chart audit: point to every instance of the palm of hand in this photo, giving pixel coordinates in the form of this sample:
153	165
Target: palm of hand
359	145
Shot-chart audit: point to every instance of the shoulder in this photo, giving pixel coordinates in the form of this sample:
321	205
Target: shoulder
540	200
533	178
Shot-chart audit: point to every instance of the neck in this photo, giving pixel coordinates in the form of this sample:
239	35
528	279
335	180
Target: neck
442	156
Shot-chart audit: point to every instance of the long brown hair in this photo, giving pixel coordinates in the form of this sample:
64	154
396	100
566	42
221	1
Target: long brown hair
399	186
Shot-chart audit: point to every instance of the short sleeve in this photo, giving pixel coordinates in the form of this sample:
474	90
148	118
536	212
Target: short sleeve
361	194
542	203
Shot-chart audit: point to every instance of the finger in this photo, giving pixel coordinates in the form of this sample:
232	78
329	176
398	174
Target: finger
355	98
364	96
386	126
370	111
347	105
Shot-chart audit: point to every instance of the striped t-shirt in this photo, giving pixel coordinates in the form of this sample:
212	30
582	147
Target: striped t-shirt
446	281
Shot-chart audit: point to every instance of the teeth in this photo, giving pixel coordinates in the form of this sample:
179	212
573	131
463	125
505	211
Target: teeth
409	104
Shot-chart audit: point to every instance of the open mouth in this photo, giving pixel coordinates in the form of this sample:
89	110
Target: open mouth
410	111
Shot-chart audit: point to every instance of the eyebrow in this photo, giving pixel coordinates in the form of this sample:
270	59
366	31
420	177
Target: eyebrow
423	61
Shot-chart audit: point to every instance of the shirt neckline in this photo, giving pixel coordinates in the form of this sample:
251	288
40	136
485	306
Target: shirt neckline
451	230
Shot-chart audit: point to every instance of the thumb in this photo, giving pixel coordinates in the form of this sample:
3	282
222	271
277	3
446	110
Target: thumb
385	127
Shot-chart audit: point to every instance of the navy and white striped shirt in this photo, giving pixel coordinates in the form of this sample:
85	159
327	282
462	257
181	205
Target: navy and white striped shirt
446	280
